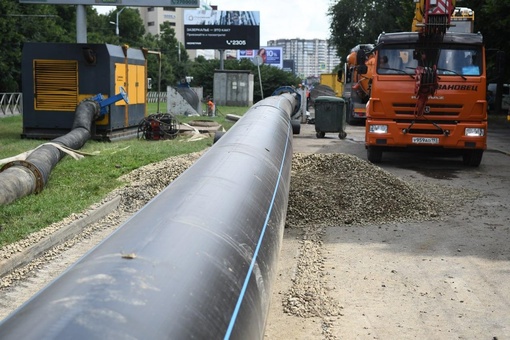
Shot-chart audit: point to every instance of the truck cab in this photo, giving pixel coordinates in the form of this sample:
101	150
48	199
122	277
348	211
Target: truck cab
454	119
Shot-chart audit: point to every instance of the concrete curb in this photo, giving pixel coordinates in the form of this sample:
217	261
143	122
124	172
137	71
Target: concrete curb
58	237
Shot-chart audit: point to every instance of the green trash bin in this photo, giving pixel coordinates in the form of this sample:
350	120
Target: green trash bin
329	116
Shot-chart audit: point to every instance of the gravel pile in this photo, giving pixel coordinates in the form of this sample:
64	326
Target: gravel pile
326	190
339	189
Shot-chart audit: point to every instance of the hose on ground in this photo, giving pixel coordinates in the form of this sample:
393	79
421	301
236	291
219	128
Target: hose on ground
22	178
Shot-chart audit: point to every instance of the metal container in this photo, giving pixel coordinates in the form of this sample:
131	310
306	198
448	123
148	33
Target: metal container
58	76
329	116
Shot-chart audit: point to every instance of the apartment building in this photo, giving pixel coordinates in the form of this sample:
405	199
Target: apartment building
311	57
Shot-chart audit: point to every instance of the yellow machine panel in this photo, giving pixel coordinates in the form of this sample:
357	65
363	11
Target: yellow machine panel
133	80
55	85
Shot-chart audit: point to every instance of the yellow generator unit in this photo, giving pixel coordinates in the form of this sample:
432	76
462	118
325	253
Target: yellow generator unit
58	76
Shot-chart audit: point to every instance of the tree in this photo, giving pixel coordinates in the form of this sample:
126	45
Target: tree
362	24
11	51
131	29
21	23
493	21
202	71
173	63
100	29
174	70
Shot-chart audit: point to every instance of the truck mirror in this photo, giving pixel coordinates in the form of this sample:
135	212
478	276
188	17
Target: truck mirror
362	69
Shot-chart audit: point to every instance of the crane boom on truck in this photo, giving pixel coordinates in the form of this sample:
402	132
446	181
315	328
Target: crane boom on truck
431	95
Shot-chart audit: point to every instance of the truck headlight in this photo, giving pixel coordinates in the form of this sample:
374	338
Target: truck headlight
474	132
378	128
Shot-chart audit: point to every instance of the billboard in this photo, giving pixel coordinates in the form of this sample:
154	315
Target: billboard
270	55
221	30
133	3
288	66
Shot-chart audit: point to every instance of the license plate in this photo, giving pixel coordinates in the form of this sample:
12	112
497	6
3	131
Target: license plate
425	140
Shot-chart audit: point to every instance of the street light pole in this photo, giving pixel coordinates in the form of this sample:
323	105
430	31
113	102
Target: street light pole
117	22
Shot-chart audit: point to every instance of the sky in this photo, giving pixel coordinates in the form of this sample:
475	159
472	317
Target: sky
280	19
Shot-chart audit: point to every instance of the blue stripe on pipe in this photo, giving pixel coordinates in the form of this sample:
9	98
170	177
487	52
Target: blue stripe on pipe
253	260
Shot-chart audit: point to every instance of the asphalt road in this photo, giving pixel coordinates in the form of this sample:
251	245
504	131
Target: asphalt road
447	279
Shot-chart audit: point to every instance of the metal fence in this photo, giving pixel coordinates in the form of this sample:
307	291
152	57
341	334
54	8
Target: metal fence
152	97
11	104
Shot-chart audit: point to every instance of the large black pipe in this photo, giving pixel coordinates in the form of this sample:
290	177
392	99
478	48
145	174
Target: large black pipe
22	178
197	262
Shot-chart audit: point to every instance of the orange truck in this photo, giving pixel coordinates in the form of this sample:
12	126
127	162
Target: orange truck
431	92
356	79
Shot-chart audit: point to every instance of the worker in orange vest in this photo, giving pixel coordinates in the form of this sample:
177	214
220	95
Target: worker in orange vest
210	108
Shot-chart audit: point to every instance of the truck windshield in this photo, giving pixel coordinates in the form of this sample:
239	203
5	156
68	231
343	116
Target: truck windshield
396	61
466	62
452	61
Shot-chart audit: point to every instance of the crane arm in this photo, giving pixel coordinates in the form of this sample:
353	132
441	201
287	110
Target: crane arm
431	20
432	17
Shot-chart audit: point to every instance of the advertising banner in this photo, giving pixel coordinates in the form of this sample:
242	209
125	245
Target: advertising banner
270	55
288	65
221	30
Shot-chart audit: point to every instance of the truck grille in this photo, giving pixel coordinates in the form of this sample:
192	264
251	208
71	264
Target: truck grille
451	110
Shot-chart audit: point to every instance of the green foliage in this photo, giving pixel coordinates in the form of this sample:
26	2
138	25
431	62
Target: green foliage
20	23
131	29
202	71
362	24
493	21
75	185
174	60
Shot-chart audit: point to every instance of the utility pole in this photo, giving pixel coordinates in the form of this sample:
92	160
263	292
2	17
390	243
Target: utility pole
81	24
116	23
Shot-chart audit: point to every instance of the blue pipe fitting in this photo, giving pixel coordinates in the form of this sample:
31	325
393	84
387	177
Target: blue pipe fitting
105	102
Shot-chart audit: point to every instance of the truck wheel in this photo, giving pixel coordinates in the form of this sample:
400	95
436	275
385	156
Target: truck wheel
320	134
374	154
296	126
472	158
